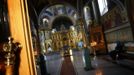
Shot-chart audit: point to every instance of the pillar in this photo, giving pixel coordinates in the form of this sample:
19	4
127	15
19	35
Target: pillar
80	7
130	11
20	31
96	11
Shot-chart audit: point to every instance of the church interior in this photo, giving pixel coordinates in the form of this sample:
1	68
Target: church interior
66	37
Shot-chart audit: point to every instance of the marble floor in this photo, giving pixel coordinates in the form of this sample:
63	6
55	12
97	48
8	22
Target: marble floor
100	65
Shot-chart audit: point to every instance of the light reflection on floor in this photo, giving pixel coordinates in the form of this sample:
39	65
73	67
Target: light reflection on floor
101	67
71	52
99	72
54	63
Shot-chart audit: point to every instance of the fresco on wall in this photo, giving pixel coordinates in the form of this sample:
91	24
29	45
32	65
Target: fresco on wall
117	26
114	18
120	35
54	11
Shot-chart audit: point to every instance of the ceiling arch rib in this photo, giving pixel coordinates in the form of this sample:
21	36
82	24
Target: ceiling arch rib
55	11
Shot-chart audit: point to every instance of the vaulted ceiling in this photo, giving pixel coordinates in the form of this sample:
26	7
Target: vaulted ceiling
36	6
40	4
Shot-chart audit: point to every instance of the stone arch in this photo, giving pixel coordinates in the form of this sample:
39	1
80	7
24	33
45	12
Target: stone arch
53	18
119	4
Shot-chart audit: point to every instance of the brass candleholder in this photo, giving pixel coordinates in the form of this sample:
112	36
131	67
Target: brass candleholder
11	50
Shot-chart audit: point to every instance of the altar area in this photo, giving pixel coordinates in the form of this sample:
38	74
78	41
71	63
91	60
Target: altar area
57	39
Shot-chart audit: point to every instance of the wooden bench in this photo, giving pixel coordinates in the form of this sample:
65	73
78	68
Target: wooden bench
127	55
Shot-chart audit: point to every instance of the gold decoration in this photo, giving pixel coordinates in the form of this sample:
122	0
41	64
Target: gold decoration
10	49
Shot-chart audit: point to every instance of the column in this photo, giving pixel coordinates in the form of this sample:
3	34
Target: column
20	31
80	7
130	11
96	11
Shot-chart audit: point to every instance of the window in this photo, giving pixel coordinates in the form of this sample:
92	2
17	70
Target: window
103	6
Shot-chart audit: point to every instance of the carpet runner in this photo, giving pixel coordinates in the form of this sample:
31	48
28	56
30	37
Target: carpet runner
67	67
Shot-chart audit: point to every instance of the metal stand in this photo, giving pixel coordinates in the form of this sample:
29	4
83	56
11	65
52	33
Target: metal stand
11	53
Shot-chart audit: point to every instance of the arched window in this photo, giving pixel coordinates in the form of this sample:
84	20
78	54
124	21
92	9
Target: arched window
103	6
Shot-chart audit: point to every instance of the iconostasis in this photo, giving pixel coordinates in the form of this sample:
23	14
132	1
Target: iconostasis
55	20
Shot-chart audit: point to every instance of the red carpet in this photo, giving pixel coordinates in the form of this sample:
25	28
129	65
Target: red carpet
67	67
